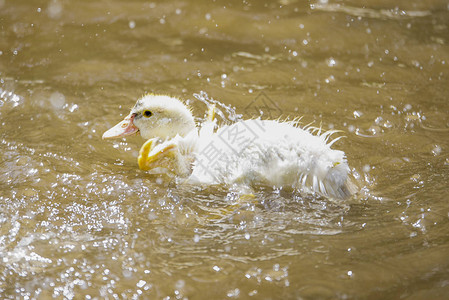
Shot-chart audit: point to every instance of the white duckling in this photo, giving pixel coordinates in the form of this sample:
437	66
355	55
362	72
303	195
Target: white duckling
250	152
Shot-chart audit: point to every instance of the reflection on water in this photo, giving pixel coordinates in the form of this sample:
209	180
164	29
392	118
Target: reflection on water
78	219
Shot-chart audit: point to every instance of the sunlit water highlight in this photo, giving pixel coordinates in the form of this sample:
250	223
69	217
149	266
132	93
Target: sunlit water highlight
79	220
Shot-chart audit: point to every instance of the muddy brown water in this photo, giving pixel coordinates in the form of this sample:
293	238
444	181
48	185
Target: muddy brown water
78	219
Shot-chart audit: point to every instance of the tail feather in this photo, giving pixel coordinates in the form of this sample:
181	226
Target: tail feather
338	183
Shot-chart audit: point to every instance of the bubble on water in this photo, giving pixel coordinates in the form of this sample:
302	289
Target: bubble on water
415	177
57	100
330	79
420	225
141	284
196	238
132	24
178	11
331	62
208	16
216	268
32	171
357	114
374	129
74	107
436	150
366	168
233	293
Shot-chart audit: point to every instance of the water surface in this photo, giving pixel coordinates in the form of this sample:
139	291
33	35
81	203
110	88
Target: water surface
80	220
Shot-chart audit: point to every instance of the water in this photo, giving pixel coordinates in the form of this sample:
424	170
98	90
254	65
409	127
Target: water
79	220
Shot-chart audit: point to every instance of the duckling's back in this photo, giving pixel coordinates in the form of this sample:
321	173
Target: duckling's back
273	153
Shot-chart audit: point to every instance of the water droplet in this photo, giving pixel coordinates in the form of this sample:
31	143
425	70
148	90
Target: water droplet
331	62
357	114
141	283
436	150
233	293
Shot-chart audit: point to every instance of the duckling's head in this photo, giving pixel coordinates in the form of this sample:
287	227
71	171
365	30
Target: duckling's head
155	116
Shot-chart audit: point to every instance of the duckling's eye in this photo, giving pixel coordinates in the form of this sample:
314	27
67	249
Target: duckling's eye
147	113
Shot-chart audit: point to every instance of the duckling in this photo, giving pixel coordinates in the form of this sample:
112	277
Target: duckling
248	153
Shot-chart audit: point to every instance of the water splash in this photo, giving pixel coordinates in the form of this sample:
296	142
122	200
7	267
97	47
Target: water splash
392	14
9	97
227	113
